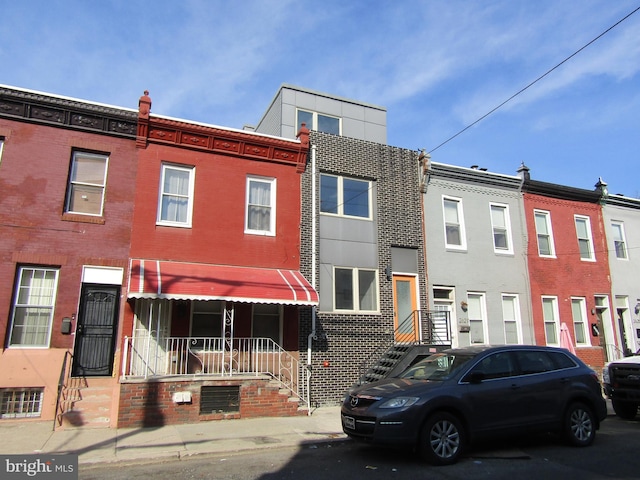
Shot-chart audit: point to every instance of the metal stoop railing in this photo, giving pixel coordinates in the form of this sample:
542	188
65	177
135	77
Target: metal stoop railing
436	332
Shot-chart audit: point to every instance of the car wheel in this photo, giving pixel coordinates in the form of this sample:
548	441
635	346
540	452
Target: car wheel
626	410
580	425
442	439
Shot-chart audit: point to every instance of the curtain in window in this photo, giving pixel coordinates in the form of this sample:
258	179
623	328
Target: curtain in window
259	214
175	195
34	307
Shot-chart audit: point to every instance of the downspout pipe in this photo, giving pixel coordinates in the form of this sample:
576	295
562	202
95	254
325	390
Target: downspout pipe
312	336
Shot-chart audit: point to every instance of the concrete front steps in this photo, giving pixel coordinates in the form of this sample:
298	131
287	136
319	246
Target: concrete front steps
87	403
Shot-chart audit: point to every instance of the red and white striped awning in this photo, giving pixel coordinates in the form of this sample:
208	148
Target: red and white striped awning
198	281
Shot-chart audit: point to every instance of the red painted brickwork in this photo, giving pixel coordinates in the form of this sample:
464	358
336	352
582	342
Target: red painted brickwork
566	275
147	404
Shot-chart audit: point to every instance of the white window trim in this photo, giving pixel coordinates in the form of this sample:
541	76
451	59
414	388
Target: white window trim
463	232
192	174
355	277
592	253
507	221
518	316
585	323
53	307
314	121
67	207
272	217
556	319
624	241
552	243
340	199
484	319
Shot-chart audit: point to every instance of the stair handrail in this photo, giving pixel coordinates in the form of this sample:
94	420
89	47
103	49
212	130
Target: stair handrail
371	360
65	374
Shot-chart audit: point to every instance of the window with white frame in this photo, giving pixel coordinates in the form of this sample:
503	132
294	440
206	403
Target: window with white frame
175	205
319	122
21	402
454	231
32	314
619	240
511	318
476	309
355	289
544	233
551	319
261	206
87	181
501	225
267	322
585	241
344	196
579	311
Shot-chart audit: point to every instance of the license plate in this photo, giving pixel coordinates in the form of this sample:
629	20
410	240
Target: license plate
349	422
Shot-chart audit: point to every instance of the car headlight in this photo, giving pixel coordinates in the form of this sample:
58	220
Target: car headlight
399	402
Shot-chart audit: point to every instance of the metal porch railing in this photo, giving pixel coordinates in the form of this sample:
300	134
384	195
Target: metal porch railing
148	357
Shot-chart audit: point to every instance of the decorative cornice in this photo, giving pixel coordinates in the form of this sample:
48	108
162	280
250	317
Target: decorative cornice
477	177
160	130
561	192
66	113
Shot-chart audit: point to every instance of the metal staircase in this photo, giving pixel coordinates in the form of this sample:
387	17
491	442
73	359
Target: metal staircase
393	356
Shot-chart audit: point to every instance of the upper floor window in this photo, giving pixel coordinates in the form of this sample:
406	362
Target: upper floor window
87	180
501	225
454	232
33	307
544	233
176	196
585	242
355	289
345	196
261	201
551	319
619	240
319	122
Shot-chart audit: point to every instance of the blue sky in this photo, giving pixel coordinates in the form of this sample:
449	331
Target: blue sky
436	65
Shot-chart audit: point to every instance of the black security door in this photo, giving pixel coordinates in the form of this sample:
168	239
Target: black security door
96	330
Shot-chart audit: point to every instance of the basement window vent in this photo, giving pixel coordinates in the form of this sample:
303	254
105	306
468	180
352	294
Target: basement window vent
219	399
21	402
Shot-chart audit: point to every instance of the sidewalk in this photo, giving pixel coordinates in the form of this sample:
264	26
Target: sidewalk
103	445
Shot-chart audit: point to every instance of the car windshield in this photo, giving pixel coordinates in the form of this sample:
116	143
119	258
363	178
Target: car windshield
439	366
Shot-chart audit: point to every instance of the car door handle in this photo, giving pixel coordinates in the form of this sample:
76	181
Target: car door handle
515	386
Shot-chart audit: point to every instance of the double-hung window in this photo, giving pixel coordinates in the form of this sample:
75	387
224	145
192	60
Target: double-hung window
87	181
476	309
619	240
348	197
175	205
32	314
501	226
585	241
454	231
355	289
551	319
319	122
544	233
260	216
579	311
511	318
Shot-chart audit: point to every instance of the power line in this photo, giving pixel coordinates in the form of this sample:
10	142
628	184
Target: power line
535	81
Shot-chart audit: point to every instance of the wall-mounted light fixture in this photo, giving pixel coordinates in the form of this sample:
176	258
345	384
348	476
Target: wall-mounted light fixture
637	309
593	311
464	306
388	273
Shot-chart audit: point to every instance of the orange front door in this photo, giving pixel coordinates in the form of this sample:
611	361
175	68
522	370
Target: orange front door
405	309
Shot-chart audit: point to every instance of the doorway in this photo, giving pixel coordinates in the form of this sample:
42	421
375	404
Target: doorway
405	309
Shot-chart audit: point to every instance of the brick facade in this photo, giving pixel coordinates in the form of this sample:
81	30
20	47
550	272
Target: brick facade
345	341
